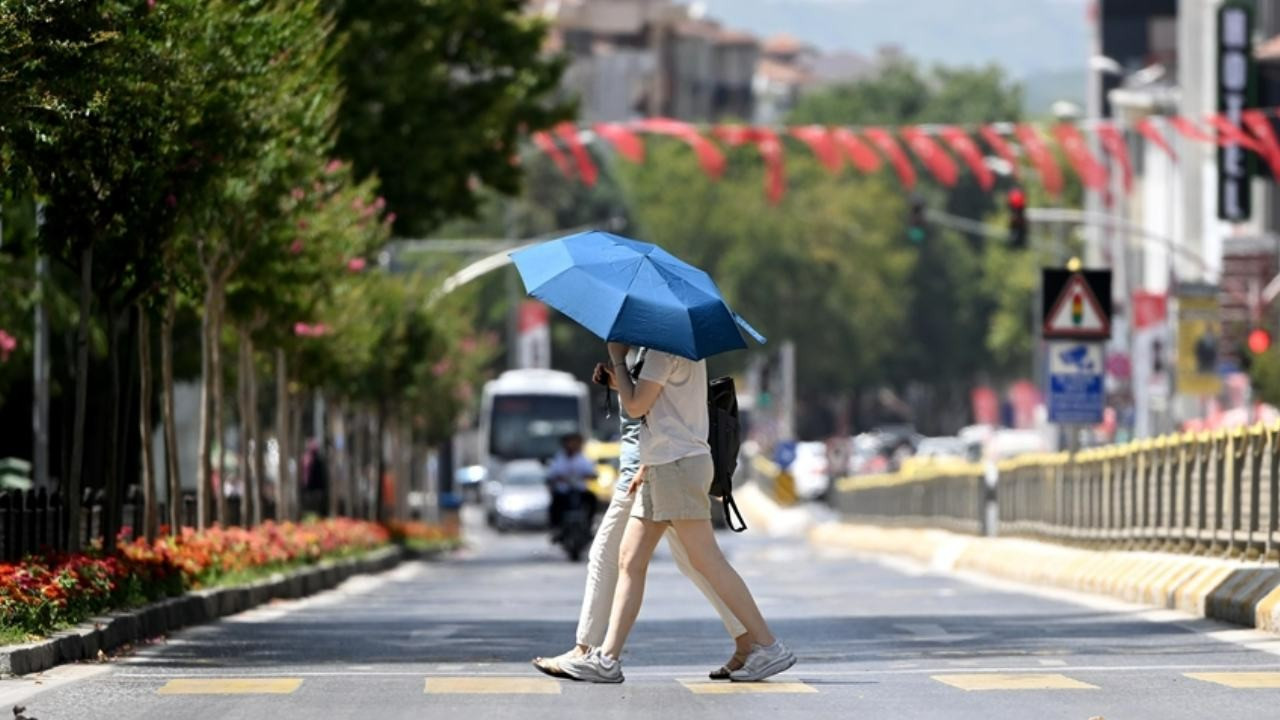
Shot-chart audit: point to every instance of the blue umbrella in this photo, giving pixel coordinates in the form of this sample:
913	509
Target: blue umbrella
632	292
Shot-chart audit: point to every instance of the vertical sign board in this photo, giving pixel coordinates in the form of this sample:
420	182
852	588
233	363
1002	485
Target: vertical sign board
1077	321
1236	91
1199	338
1075	382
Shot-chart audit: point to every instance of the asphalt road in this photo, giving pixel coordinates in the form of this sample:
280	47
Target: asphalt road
452	639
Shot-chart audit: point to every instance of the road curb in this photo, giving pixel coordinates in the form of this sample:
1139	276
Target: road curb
108	632
1238	592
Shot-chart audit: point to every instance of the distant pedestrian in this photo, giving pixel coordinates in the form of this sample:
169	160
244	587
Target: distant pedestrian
671	396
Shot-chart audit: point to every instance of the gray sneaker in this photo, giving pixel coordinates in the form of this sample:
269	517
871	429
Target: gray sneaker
594	667
764	662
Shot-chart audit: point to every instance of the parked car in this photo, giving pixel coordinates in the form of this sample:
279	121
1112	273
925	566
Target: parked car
810	470
947	447
518	499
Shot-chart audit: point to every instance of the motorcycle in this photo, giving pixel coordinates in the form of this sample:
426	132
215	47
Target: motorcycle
575	527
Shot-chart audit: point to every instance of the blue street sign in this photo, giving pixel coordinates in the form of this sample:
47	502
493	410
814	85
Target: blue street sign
1075	382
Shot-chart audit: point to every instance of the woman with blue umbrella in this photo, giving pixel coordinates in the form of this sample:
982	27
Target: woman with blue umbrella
633	293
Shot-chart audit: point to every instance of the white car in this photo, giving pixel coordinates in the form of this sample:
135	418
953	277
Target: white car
518	498
811	470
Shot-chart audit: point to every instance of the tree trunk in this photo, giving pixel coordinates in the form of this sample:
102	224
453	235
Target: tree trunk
255	432
71	485
243	412
357	474
167	410
381	503
282	435
298	443
144	425
204	481
219	427
337	459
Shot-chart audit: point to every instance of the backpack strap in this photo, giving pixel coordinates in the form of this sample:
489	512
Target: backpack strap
729	504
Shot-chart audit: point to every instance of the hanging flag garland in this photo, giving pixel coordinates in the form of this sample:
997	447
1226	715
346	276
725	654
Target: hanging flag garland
883	140
568	132
1113	142
770	148
1091	172
968	151
931	155
822	144
936	148
860	154
627	143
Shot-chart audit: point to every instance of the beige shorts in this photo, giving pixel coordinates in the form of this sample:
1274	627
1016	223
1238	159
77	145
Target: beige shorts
675	491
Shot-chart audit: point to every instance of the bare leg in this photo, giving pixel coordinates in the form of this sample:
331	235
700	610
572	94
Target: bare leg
704	554
638	543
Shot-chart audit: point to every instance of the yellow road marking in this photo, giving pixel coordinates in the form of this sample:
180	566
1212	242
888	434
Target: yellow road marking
491	686
230	686
1239	679
744	688
1013	681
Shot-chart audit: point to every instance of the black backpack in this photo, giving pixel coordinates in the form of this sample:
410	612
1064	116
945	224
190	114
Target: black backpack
725	440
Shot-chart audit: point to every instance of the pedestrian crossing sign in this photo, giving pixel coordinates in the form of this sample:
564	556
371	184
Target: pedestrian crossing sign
1074	306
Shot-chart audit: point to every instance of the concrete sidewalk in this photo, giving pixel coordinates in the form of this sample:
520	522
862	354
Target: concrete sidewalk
1239	592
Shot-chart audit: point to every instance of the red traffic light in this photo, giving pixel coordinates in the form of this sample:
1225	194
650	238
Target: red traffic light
1259	341
1017	199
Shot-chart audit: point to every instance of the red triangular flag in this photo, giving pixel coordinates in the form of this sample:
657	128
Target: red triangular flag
624	141
931	155
968	151
586	166
1113	142
1229	134
709	156
1092	172
1260	125
860	154
883	140
1001	147
770	148
544	142
1147	129
1189	129
1041	158
821	144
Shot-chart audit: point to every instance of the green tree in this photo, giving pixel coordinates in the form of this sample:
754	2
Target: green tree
438	95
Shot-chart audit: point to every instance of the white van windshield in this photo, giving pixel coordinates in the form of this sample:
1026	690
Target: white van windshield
530	426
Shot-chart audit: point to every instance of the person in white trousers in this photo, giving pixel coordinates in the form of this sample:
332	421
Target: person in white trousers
602	567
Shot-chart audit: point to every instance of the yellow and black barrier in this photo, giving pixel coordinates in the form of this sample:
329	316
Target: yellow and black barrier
1209	493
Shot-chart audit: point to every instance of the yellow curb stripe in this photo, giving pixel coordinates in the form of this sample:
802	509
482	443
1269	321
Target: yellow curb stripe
1240	680
1012	681
491	686
230	686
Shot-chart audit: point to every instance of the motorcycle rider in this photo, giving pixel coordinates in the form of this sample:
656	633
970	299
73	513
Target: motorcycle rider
567	476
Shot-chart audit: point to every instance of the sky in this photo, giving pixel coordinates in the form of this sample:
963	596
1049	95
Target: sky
1024	36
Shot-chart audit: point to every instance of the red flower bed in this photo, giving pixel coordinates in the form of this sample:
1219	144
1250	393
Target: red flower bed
41	594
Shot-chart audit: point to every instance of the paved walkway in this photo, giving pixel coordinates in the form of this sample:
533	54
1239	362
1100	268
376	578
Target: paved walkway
453	639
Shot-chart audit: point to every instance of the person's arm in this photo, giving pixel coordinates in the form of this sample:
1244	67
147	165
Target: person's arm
637	398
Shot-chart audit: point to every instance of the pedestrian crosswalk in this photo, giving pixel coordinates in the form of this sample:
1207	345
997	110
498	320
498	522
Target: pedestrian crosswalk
526	685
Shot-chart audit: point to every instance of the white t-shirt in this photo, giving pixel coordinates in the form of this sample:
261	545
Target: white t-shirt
677	424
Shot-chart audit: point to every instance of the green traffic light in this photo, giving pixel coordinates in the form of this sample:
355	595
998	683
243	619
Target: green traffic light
916	234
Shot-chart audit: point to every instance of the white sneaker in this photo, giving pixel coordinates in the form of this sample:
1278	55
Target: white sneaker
763	662
594	667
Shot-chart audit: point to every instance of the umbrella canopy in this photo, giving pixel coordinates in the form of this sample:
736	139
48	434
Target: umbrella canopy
632	292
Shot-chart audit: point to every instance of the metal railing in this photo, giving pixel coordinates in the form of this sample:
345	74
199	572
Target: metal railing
1211	493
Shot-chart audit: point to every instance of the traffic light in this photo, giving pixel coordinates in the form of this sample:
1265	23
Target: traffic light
917	229
1257	343
1017	218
